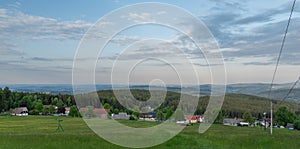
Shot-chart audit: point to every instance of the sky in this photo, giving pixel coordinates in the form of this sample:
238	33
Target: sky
40	39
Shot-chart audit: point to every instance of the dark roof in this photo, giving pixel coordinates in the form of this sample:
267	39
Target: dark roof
149	115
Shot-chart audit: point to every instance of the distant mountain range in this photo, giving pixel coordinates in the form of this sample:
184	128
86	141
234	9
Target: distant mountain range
257	89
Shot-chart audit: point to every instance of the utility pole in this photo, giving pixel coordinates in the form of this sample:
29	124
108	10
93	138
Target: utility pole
271	127
265	120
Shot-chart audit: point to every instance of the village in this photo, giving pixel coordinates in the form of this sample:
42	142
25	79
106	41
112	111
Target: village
186	120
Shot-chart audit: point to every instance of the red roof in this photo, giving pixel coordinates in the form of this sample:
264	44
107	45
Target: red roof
99	111
193	117
96	110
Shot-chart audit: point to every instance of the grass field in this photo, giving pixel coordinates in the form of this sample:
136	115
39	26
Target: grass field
40	132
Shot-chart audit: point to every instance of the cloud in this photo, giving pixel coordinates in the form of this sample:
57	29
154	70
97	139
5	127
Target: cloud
9	49
44	59
256	35
289	59
146	51
138	17
123	40
2	12
41	59
268	15
15	24
258	63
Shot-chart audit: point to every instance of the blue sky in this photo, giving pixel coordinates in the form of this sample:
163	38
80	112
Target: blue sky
39	40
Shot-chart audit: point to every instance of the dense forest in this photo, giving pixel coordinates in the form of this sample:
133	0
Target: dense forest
234	106
10	100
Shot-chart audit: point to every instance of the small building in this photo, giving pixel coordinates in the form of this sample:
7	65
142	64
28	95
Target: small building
194	118
48	106
100	112
21	111
94	112
120	116
231	122
183	123
290	126
243	124
148	116
67	110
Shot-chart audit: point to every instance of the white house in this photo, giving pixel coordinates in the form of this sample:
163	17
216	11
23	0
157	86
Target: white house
120	116
22	111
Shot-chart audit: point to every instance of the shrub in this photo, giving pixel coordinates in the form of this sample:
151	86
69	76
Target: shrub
34	112
297	124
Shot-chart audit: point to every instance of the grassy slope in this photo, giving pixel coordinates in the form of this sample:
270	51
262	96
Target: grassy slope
39	132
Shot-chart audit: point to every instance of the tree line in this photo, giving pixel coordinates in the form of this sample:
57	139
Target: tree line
33	101
234	106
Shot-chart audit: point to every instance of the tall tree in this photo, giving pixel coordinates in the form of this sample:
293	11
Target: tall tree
60	103
179	116
116	111
51	109
1	100
74	111
169	113
39	106
284	116
69	101
160	115
247	116
106	106
220	118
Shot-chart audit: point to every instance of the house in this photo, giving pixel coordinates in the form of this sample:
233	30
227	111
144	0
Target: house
263	122
148	116
290	126
67	110
243	124
100	112
48	106
183	123
94	112
231	122
194	118
21	111
120	116
200	119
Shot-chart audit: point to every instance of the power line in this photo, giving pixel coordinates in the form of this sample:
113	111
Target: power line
277	63
281	48
289	92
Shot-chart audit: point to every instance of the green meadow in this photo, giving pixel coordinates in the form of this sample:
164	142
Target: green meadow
39	132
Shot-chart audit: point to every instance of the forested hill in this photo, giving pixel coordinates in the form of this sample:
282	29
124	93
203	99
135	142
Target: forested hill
257	89
234	104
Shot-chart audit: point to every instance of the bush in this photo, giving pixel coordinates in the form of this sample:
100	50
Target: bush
132	118
297	124
74	111
34	112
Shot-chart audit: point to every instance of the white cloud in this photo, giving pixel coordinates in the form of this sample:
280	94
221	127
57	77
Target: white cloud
138	18
2	12
9	49
16	24
124	40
